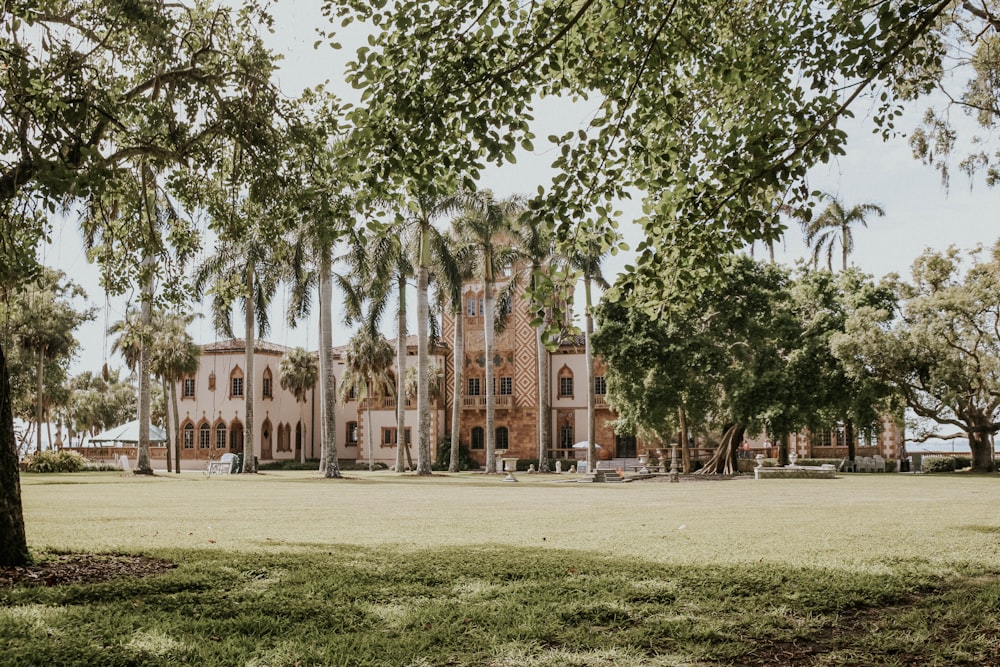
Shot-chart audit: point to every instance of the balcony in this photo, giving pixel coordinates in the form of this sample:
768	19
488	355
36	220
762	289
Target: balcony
600	401
384	403
502	402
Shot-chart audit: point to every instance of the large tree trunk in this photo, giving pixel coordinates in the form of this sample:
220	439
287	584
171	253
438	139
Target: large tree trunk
39	400
544	418
142	464
488	331
849	437
330	466
13	541
423	367
981	446
402	447
458	359
683	440
589	354
169	430
723	461
249	321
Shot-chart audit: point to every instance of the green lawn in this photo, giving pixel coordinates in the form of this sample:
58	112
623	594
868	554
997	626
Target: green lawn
288	569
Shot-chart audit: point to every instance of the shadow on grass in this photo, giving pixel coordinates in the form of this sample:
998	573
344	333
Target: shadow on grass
345	605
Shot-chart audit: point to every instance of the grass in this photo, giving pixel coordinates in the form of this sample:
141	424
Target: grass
288	569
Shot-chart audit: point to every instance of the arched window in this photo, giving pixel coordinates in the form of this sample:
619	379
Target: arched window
565	382
502	437
236	383
189	436
204	436
220	435
267	383
299	436
478	437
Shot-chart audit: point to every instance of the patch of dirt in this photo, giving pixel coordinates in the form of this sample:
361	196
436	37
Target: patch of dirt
82	568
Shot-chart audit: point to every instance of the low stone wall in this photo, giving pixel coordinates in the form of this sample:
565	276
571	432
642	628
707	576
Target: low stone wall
796	472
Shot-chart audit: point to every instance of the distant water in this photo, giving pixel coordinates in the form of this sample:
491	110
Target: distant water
956	446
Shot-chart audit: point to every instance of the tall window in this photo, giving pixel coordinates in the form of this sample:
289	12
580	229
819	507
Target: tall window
478	437
352	433
189	436
566	436
220	436
204	437
482	309
236	383
390	437
506	386
352	393
566	385
188	391
502	437
473	389
470	307
600	386
266	384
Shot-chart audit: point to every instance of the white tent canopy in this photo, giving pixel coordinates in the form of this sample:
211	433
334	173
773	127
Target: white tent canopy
583	444
129	432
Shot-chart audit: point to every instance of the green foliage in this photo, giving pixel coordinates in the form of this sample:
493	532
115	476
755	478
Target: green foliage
465	458
941	353
709	110
55	461
939	464
290	464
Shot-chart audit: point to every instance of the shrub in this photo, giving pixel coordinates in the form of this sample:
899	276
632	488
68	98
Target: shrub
55	461
962	462
465	460
939	464
291	464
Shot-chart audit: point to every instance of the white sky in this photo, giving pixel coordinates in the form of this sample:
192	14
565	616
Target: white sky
919	212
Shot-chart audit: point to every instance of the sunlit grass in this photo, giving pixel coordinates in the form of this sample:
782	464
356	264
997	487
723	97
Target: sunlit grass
289	569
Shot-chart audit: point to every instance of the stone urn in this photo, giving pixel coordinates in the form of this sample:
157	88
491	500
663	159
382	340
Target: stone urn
792	458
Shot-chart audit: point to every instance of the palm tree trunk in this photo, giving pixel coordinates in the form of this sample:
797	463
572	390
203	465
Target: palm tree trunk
176	439
249	321
368	415
458	356
544	418
591	408
330	467
169	430
491	454
142	465
423	369
401	444
39	391
13	541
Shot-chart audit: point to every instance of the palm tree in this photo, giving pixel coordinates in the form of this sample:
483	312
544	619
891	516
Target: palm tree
299	372
429	242
455	268
174	357
435	387
536	243
389	266
44	328
485	223
245	267
368	360
586	257
833	225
